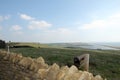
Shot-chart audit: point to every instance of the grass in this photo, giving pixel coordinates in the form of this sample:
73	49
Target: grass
103	62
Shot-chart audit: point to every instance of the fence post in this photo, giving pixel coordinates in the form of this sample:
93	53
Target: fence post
8	49
82	61
87	62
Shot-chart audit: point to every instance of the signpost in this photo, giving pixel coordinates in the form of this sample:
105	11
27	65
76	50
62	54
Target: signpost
8	47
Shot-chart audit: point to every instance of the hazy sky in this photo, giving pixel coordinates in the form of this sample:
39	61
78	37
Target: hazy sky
60	20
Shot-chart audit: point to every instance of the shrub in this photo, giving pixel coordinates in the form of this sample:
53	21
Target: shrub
2	44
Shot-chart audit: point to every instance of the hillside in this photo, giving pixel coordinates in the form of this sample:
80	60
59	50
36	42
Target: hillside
103	62
27	44
16	67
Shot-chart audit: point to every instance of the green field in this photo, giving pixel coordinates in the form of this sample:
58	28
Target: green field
103	62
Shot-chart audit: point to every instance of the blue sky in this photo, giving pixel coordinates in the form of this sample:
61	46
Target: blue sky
50	21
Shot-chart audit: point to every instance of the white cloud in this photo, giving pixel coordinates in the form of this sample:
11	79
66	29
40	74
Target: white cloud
61	31
94	24
2	18
16	30
0	27
19	32
57	35
7	17
16	27
39	25
110	22
115	15
35	24
0	35
26	17
98	30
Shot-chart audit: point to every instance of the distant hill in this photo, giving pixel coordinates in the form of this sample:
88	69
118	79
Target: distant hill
75	45
80	45
27	44
69	45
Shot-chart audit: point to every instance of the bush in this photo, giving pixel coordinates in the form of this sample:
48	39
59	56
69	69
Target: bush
2	44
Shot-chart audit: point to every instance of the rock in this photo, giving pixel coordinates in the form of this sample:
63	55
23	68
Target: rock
74	76
53	71
26	78
35	66
6	57
69	74
98	77
26	62
72	70
85	76
43	73
40	59
61	73
15	58
3	53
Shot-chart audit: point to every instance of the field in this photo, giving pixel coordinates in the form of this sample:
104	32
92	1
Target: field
103	62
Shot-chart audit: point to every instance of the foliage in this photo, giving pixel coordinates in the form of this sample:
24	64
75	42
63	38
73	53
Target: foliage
2	44
24	44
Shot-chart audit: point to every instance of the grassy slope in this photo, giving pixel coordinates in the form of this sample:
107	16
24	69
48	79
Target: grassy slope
106	63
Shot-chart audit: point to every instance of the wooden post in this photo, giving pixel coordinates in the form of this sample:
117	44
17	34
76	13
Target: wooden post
9	46
8	50
82	61
86	62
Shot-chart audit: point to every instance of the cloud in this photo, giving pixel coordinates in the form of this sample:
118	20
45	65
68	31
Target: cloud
35	24
16	30
39	25
19	32
0	27
110	22
26	17
117	15
94	24
7	17
16	27
2	18
56	35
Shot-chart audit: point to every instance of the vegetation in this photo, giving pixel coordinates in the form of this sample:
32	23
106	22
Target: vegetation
24	44
2	44
103	62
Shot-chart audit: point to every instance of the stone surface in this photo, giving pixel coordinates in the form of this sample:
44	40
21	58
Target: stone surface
26	62
35	66
40	59
62	73
53	71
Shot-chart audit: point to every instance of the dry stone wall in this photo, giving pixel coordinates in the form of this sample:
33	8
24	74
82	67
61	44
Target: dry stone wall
43	71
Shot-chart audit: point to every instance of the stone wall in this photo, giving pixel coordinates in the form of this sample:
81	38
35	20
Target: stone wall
43	71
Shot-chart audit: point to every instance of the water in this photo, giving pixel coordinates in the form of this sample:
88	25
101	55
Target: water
103	46
100	46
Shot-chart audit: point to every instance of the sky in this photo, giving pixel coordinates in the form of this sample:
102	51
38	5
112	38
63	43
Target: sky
53	21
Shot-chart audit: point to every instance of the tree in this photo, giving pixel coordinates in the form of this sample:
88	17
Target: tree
2	44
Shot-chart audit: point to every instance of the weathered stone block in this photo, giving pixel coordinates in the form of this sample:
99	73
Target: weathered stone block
53	71
26	62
